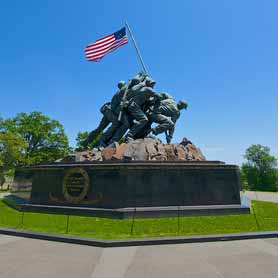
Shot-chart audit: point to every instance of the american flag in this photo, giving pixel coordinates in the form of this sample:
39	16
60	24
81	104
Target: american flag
97	50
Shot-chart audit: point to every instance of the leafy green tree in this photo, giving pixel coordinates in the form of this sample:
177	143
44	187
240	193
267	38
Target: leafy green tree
12	150
260	172
81	136
44	139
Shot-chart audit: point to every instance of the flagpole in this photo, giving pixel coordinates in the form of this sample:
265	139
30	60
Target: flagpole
136	47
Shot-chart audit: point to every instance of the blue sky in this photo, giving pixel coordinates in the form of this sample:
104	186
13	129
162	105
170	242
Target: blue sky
220	56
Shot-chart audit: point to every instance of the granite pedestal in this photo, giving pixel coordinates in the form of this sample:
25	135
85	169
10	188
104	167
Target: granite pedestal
130	189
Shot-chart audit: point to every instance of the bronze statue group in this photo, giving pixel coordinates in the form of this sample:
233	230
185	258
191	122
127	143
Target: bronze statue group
132	111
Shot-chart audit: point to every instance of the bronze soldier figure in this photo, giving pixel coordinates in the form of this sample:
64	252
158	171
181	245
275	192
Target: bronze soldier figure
135	106
137	97
165	113
108	117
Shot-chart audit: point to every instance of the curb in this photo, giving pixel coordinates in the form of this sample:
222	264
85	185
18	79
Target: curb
136	242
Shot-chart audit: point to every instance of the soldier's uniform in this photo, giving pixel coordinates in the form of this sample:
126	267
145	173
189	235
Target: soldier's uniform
148	111
118	128
136	93
102	125
112	113
109	111
165	113
137	96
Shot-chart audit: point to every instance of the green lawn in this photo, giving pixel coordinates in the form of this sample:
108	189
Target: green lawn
264	219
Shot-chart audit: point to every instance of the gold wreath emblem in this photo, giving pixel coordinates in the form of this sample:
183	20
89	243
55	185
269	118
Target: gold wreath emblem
83	189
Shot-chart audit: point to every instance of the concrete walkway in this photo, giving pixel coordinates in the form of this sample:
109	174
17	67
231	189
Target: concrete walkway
20	257
262	196
3	194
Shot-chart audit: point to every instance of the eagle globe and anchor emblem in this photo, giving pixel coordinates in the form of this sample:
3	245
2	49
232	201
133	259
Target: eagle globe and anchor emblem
75	185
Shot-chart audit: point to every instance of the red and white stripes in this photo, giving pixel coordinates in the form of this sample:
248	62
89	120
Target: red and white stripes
97	50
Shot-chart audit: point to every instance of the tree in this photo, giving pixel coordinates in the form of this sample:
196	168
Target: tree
81	136
260	172
12	150
43	139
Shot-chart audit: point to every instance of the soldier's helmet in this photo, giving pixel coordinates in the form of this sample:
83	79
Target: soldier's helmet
182	105
141	73
134	81
164	95
121	84
105	107
149	82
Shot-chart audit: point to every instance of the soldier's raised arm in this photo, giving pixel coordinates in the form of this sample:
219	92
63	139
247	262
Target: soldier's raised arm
138	87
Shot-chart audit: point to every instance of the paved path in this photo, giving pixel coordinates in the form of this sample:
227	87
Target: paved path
3	194
262	196
30	258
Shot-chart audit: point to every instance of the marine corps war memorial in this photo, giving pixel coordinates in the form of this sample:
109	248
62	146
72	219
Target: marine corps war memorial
124	170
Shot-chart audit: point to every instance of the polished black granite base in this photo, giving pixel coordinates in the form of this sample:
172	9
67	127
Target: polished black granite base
124	190
127	213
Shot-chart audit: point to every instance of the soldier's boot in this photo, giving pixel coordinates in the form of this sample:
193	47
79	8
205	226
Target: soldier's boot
138	126
112	144
141	120
120	132
102	144
128	139
153	131
151	134
168	138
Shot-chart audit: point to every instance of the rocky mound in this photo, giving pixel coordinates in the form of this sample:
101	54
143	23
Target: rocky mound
140	150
